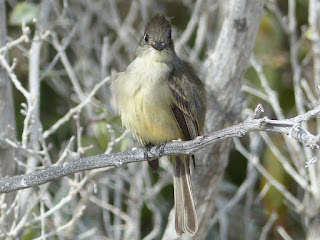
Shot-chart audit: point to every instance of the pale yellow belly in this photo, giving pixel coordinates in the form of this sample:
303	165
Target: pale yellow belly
144	98
150	119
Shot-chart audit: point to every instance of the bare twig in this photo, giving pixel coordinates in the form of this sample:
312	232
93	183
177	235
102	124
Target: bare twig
74	110
293	200
283	233
287	127
273	217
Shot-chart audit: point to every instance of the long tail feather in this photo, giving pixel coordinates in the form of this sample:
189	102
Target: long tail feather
185	213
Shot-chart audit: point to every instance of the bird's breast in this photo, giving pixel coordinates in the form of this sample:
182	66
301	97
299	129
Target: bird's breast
145	103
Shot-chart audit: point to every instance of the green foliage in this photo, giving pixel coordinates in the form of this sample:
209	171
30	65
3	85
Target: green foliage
24	12
30	234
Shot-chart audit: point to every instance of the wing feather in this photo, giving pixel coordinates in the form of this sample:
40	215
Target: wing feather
182	106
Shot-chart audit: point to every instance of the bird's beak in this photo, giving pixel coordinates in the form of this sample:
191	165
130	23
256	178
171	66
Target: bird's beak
158	46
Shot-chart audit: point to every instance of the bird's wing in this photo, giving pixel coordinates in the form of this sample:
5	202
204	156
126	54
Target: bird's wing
182	107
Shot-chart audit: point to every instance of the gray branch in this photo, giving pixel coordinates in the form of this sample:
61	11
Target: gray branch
289	127
7	119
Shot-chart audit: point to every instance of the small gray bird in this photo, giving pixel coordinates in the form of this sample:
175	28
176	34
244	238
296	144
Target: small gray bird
160	99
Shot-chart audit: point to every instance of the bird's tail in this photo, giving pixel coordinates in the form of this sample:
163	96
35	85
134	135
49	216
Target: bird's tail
185	213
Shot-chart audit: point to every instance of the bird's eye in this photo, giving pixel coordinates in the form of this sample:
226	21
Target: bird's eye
146	37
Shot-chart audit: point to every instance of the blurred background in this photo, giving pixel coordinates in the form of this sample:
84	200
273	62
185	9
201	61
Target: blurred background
75	44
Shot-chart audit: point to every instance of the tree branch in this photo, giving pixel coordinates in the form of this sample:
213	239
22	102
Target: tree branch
289	127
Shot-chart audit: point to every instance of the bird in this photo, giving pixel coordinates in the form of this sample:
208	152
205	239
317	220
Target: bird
160	99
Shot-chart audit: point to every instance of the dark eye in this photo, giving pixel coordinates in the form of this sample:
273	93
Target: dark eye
146	37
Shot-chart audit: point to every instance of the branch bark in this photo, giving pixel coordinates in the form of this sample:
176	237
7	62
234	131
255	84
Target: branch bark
7	119
313	228
289	127
228	63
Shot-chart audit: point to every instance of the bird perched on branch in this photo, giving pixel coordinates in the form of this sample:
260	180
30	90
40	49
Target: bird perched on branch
160	99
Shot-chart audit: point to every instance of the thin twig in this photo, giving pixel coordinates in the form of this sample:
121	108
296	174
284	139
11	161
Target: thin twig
287	127
74	110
